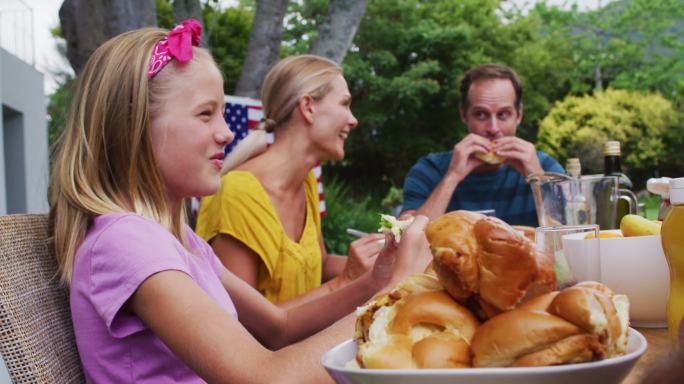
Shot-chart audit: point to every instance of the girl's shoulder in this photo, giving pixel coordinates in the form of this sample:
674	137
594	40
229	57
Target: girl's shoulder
119	226
120	220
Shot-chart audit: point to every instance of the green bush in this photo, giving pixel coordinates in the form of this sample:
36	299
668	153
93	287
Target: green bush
651	205
346	211
392	200
646	124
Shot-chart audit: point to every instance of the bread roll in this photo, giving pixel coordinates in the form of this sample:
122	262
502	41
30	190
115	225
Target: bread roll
489	157
482	259
426	329
531	338
455	252
413	284
595	308
578	324
527	231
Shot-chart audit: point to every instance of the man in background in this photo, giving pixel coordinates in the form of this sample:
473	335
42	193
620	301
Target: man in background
487	169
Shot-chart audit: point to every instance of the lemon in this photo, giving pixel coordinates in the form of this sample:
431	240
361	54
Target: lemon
603	235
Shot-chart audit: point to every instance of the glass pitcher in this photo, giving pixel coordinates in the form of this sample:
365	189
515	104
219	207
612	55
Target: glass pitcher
563	200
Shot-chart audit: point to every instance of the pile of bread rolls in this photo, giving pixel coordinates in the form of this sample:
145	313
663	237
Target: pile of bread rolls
490	302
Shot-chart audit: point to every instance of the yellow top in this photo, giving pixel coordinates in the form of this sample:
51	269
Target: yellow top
243	210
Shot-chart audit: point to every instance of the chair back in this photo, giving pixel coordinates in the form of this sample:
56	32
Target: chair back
36	334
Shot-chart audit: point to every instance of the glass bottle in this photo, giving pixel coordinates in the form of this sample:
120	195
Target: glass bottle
612	167
576	208
673	247
573	167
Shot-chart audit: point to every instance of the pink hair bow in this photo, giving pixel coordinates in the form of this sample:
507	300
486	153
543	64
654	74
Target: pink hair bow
177	44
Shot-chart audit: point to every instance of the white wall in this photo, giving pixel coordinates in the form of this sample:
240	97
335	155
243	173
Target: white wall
23	143
4	374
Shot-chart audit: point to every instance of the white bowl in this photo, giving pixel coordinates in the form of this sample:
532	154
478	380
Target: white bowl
635	266
605	371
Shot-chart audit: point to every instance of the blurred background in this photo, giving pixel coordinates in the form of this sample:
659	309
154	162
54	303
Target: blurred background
592	71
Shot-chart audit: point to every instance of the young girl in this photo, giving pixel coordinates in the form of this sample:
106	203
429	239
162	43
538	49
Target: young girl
150	301
264	223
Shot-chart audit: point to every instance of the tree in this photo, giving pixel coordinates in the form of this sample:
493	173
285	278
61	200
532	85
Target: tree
264	46
332	36
228	41
86	24
185	9
646	124
628	44
335	35
404	71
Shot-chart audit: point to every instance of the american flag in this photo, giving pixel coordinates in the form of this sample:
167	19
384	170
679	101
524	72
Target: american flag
243	114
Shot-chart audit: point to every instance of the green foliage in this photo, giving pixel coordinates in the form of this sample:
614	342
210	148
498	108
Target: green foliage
406	63
408	56
165	17
228	30
393	199
628	44
651	206
229	34
646	124
301	25
346	211
58	109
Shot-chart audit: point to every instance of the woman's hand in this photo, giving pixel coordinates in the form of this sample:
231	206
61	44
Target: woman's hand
362	255
399	260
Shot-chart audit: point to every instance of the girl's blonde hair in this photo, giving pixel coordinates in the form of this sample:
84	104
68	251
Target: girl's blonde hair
290	79
105	162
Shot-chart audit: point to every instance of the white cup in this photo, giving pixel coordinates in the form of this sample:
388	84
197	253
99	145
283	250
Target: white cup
635	266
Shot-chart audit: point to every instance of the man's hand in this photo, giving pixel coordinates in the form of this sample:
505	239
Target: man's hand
519	154
462	161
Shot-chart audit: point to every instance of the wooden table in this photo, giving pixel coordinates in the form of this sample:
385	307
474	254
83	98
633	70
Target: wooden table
659	348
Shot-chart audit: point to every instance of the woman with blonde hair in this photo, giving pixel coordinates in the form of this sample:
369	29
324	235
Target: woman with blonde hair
264	223
150	302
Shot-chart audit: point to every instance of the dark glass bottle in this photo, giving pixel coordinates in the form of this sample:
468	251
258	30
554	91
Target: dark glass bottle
612	167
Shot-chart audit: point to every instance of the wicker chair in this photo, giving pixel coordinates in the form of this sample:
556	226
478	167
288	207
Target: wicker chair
36	335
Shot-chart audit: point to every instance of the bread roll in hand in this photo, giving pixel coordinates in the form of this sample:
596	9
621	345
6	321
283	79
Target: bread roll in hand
489	157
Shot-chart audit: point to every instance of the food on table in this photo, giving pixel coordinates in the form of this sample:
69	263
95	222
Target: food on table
390	224
485	264
635	225
417	325
484	268
582	323
604	235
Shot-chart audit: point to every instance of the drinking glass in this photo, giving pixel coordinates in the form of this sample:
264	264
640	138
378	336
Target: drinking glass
575	249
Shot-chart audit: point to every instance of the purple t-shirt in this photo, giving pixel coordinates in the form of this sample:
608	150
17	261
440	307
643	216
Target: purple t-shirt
118	253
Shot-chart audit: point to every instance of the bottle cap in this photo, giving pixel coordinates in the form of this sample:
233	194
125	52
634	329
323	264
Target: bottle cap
677	191
573	167
611	148
659	186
